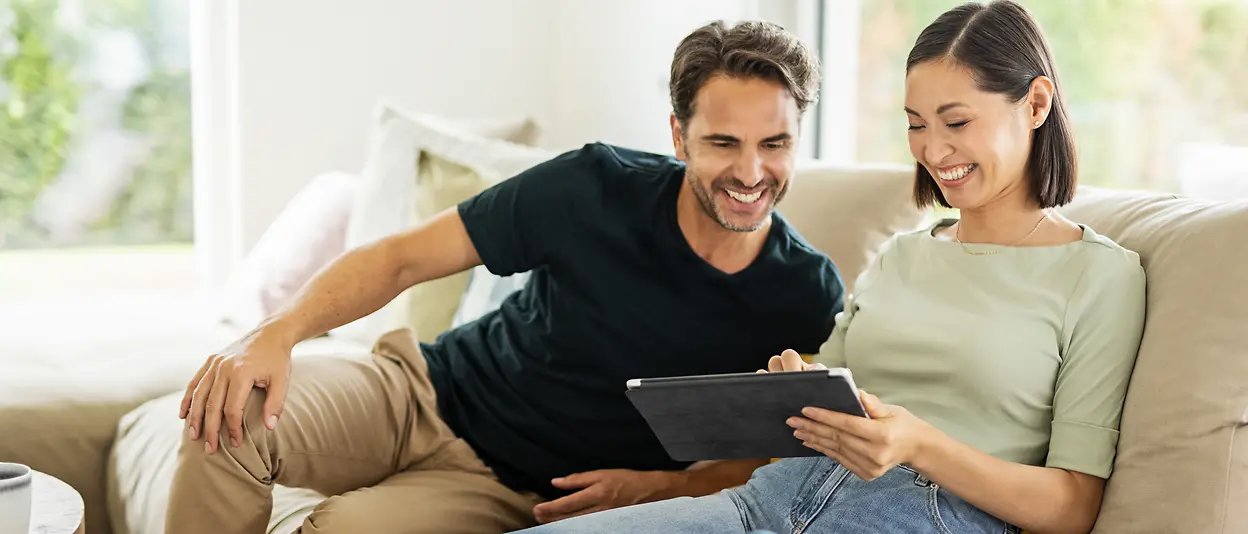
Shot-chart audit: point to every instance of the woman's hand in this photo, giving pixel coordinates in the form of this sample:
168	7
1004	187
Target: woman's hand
790	360
867	447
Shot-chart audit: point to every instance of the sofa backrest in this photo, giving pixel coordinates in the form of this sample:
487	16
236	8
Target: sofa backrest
847	212
1179	466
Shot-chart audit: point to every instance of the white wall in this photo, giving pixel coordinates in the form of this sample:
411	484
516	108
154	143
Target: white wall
611	65
285	88
310	73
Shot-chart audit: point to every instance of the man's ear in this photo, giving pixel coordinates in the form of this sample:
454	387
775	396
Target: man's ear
678	138
1040	100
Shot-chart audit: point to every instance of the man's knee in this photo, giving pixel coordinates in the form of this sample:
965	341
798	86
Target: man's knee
253	440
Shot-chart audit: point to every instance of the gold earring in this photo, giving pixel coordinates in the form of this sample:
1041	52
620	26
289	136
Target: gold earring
1037	123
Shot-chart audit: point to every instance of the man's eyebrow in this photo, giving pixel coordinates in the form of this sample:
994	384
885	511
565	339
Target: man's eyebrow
730	139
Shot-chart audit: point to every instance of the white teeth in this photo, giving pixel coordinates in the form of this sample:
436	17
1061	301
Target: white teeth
744	199
956	174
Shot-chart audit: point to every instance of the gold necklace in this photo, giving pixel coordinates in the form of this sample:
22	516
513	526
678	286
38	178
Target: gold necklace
958	236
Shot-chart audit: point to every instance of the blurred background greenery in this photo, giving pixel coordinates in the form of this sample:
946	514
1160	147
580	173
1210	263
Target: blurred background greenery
95	125
55	57
1143	79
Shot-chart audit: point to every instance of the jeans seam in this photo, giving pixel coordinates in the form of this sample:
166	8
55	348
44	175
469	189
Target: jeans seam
934	510
801	524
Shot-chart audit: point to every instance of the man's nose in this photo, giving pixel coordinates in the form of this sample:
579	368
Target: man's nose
749	168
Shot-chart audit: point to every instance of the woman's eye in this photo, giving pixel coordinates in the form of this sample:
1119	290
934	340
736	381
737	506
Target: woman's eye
958	124
915	127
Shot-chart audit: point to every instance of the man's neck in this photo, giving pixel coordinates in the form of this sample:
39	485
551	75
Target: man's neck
728	251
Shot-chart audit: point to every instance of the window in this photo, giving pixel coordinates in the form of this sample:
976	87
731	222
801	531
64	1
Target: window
94	123
95	145
1155	87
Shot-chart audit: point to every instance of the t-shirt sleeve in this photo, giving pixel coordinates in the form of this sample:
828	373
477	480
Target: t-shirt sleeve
832	352
1104	325
517	224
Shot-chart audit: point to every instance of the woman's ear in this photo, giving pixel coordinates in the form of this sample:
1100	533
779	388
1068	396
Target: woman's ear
1040	100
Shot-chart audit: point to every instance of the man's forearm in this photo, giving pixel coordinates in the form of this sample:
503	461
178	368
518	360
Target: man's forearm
706	478
356	284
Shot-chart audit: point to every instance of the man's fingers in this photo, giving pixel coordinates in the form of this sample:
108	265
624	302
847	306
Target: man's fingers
578	480
275	399
564	506
185	409
213	410
195	419
586	511
792	361
235	403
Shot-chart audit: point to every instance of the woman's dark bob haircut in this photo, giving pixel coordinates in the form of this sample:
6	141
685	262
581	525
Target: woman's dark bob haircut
1002	46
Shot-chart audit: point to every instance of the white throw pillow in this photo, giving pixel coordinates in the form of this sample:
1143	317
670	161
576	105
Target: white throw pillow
421	165
307	235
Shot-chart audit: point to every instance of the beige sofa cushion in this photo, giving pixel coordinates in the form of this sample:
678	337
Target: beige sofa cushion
847	212
72	365
1179	467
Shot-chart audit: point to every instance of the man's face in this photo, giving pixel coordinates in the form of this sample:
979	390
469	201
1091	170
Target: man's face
739	147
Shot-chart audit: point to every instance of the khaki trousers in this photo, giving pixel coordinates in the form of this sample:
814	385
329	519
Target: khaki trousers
364	430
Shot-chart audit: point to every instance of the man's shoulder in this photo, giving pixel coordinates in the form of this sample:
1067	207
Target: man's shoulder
802	256
609	166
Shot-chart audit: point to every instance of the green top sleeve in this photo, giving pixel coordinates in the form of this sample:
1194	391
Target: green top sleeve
1103	326
832	352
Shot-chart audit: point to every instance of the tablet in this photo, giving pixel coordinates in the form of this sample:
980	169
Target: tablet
740	415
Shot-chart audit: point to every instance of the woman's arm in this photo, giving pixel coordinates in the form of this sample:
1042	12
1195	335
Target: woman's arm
1038	499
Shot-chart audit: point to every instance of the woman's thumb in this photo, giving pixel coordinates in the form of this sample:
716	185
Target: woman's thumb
874	406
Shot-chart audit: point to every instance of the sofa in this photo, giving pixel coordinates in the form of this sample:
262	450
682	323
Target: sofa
102	417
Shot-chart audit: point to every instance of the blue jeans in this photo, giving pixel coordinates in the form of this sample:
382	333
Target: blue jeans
802	495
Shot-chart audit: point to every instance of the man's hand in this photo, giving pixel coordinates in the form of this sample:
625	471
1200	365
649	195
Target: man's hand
604	490
221	387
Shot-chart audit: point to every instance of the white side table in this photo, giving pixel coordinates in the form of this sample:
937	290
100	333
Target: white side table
56	507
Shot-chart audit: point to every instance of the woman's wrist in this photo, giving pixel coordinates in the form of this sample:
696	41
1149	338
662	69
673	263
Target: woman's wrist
929	446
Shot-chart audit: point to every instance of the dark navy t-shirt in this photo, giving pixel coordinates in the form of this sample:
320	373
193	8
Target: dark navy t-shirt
615	293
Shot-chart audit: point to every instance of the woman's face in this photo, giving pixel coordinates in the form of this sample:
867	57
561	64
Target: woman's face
975	144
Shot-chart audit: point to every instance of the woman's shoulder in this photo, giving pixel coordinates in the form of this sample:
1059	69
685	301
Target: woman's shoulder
1102	252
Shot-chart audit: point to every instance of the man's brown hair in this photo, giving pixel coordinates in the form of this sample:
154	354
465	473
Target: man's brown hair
750	49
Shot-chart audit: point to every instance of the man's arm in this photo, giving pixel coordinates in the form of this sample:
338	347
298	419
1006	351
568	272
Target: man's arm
367	278
353	286
613	488
705	478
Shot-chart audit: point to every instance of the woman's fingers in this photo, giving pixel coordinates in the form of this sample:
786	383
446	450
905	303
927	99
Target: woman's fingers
792	361
775	365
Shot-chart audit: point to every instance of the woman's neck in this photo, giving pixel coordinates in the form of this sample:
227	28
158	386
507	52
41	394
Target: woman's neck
998	223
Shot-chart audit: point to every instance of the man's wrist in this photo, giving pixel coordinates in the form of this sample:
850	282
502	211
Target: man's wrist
672	484
277	331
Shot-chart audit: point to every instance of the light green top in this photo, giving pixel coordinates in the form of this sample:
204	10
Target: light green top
1024	354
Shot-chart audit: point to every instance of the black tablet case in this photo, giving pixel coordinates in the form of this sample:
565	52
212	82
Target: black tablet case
737	416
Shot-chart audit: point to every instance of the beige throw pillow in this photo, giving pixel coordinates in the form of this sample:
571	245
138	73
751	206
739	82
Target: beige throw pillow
422	165
1182	460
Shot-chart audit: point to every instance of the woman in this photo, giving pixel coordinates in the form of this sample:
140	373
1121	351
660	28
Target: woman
996	348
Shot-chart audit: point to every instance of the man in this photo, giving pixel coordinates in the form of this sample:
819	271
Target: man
642	266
